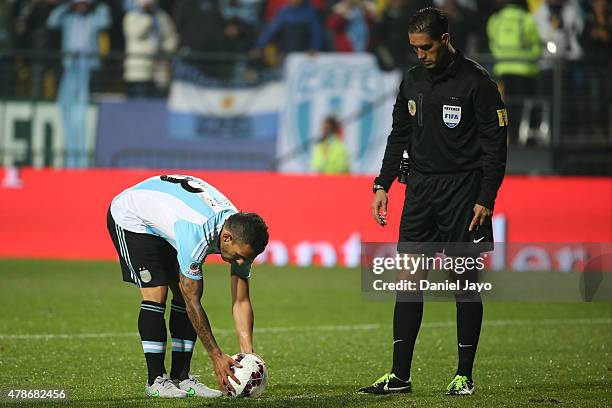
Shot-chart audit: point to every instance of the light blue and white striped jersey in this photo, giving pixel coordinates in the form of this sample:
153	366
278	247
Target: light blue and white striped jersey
184	210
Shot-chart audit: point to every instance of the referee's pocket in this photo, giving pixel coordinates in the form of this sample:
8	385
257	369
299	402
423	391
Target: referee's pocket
420	109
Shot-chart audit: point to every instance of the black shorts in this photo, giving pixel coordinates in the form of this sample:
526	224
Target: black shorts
146	260
437	213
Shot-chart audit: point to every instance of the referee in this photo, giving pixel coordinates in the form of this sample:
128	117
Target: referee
450	121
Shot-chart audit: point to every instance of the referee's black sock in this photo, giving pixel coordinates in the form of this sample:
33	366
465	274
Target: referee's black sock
152	329
469	321
183	340
407	318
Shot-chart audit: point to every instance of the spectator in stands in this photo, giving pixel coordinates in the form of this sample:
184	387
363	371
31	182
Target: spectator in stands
149	32
80	21
596	42
392	33
199	26
108	79
560	25
237	35
351	23
201	31
598	27
330	155
6	46
246	11
515	43
36	71
296	27
6	24
272	7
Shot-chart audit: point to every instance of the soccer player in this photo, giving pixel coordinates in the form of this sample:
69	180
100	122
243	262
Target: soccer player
163	228
451	120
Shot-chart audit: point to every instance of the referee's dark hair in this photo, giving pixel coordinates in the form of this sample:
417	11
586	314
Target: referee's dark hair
249	228
429	20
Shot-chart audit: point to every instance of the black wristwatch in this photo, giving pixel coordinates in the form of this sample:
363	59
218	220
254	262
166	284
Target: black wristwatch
378	187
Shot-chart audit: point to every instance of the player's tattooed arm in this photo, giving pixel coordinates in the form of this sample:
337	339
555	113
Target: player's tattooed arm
192	293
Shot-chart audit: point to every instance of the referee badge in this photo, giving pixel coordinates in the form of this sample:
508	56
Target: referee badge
412	107
451	115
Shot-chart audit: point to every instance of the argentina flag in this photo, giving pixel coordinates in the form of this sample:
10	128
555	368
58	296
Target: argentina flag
201	106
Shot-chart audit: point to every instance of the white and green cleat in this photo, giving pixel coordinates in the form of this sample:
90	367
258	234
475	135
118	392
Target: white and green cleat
194	388
162	387
460	386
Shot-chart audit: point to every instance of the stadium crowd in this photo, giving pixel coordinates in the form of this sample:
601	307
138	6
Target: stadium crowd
263	29
131	44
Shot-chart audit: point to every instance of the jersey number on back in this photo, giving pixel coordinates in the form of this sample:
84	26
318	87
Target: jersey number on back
188	183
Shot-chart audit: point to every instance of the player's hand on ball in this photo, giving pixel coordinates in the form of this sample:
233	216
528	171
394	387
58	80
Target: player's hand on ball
253	376
222	365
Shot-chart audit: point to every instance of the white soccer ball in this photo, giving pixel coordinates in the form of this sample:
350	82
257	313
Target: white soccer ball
253	376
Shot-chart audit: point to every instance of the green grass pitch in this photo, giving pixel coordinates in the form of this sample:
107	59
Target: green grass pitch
72	325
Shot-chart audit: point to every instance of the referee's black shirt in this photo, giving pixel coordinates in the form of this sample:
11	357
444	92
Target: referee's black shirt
440	138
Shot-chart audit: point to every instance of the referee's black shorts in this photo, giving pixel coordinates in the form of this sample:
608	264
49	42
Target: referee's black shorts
437	213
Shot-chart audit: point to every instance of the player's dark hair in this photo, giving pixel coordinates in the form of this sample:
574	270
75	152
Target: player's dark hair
429	20
249	228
